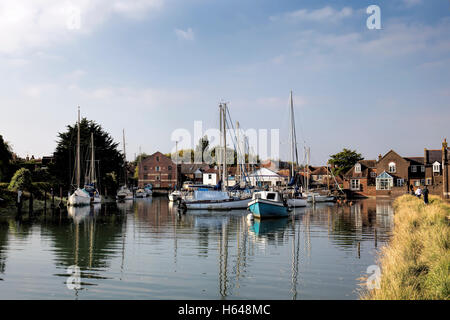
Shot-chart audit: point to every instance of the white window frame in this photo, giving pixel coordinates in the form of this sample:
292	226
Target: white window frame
158	169
422	168
436	167
428	181
358	168
355	184
400	182
392	167
413	168
417	183
373	174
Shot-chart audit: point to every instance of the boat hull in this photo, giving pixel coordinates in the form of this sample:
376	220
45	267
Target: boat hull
261	208
79	198
218	205
296	203
320	198
97	199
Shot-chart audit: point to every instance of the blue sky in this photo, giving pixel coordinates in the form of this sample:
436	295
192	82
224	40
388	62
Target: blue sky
152	66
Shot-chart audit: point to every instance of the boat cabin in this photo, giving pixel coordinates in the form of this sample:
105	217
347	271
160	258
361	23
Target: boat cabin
268	195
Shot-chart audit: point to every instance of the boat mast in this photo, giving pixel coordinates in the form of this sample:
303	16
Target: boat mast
92	174
225	173
78	152
238	174
292	137
125	158
219	156
307	170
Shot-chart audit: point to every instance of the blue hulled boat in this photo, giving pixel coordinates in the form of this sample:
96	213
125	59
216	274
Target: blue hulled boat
268	204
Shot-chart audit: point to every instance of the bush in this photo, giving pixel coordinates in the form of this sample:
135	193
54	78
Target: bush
21	180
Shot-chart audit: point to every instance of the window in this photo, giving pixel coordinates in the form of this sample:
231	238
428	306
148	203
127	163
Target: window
422	168
400	182
422	182
428	181
373	174
392	167
145	168
271	196
358	168
436	167
417	183
157	159
413	168
169	168
169	177
157	178
384	181
354	184
209	176
157	169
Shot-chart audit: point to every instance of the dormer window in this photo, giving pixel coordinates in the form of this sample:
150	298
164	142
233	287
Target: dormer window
358	168
436	167
392	167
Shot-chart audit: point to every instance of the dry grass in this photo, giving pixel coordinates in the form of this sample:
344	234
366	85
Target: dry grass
416	263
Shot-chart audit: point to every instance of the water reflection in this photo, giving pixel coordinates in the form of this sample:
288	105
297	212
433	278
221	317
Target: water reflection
147	249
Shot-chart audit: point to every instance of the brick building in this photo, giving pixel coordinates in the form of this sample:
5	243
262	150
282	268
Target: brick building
158	170
361	178
437	170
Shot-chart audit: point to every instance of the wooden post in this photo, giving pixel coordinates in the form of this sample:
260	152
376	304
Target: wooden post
60	198
19	202
30	206
359	250
376	236
53	198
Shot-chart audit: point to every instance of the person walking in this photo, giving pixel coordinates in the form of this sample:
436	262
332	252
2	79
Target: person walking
418	192
425	195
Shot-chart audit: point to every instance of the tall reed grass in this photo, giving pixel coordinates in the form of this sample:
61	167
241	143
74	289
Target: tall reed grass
415	265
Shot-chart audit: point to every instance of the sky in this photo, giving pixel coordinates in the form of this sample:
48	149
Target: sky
154	66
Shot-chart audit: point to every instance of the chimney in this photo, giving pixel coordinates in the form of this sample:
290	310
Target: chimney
379	157
425	156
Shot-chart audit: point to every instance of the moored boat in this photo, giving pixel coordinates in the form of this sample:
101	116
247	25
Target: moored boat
214	200
140	193
268	204
297	202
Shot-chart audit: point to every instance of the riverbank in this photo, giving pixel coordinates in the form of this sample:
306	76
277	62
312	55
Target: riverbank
416	263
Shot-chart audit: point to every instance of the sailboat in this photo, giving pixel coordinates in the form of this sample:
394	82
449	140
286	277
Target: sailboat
80	197
91	181
315	196
295	200
124	193
220	199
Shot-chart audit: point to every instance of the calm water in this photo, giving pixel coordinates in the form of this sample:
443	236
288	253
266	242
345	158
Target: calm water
146	250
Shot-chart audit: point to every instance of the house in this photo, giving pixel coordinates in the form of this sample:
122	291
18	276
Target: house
264	176
211	177
158	170
320	177
436	170
361	178
193	172
396	174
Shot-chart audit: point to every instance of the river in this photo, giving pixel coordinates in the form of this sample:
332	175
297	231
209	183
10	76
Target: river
146	250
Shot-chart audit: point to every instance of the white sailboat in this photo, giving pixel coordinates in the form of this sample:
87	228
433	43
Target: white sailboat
80	197
294	200
217	200
124	193
91	185
315	196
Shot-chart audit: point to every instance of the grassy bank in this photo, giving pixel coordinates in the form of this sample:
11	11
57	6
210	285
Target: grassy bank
416	263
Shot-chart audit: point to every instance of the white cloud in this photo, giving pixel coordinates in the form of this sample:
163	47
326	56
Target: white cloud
325	14
33	24
185	34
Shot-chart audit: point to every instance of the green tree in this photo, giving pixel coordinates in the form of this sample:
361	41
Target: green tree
21	180
5	158
111	160
344	160
201	148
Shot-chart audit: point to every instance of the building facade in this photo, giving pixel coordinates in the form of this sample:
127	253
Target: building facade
361	178
158	170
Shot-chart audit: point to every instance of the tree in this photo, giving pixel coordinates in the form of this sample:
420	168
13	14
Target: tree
201	148
21	180
111	160
5	158
344	160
